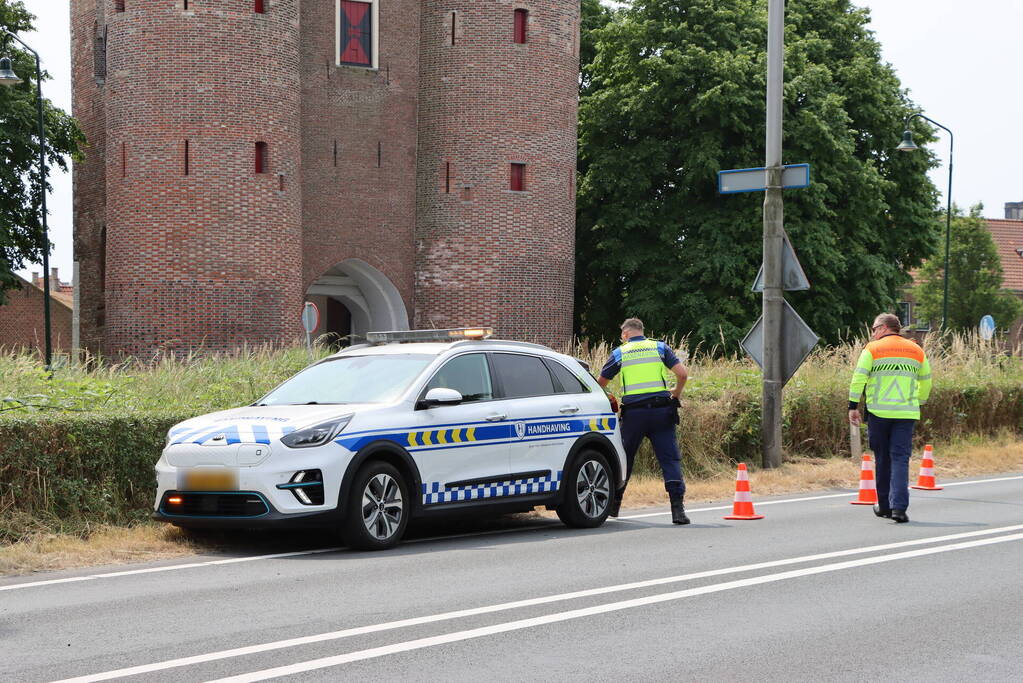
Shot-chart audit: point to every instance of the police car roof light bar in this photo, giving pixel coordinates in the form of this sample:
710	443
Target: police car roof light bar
450	335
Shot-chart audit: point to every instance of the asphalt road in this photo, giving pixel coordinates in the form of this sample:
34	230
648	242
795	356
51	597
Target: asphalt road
818	590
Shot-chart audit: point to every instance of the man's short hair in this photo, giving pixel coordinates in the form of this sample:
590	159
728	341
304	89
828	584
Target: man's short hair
889	320
633	324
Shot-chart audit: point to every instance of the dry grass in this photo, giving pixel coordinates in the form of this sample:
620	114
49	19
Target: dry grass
106	545
150	541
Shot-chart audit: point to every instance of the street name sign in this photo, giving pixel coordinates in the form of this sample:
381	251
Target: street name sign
793	279
755	179
798	341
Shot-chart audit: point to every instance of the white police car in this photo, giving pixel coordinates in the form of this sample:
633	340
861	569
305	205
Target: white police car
403	427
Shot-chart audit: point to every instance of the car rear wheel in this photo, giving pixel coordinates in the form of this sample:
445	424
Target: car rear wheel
377	511
588	491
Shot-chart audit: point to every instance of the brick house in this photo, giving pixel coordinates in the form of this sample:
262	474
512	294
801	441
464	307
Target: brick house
398	162
1008	237
22	322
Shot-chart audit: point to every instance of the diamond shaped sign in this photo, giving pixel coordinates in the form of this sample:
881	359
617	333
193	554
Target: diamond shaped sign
797	342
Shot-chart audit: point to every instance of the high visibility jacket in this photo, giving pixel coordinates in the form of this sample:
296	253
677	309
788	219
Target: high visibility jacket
896	376
642	368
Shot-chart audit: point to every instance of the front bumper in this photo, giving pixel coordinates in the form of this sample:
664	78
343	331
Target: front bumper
235	510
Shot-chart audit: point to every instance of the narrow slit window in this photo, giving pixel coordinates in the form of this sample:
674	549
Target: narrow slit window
124	160
518	178
262	158
186	157
521	20
184	4
118	5
380	153
454	18
447	177
259	7
335	154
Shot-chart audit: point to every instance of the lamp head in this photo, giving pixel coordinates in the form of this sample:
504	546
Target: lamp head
7	75
907	144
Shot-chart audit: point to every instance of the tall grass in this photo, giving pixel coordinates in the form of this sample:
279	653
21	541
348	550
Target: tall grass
977	390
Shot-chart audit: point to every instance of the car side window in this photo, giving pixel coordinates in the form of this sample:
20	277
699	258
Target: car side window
469	375
523	375
570	384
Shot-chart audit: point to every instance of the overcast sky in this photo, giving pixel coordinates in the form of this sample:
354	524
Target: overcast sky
960	62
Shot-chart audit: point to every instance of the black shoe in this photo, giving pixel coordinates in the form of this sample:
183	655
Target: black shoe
678	512
882	512
616	505
900	516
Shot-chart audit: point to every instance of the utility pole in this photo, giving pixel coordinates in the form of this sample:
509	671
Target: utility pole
773	299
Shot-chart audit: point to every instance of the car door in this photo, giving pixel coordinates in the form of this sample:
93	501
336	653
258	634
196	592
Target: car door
544	419
462	450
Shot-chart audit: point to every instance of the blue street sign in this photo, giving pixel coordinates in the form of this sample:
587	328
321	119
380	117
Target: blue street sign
755	179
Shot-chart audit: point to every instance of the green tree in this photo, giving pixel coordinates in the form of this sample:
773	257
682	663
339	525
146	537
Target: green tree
974	282
675	94
21	233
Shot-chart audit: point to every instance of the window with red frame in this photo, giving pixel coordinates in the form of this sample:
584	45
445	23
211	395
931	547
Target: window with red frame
521	19
355	33
259	7
262	158
518	178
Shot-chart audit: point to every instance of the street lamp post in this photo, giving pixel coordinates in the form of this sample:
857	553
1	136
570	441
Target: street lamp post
9	78
907	145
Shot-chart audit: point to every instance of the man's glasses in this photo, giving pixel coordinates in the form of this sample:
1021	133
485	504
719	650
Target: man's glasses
875	328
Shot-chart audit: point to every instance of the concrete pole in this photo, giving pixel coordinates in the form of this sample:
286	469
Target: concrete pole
773	299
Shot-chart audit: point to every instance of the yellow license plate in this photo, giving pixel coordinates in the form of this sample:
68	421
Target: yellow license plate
208	480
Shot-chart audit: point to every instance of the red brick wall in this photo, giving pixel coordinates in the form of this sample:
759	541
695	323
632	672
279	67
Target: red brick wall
88	21
359	209
486	255
22	323
222	256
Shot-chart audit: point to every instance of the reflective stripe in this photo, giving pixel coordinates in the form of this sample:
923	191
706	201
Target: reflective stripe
644	385
890	407
861	371
924	377
639	361
893	373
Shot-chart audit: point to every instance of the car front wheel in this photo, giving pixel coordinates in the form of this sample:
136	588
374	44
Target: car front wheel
588	491
377	511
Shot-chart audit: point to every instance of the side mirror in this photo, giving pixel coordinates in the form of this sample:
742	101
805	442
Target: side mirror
439	396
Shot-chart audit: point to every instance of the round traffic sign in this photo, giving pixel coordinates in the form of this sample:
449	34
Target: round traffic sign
987	327
310	317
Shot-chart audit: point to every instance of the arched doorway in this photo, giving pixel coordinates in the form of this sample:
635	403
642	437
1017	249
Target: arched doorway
355	298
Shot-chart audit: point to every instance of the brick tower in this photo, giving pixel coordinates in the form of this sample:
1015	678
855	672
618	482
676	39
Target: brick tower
394	161
497	152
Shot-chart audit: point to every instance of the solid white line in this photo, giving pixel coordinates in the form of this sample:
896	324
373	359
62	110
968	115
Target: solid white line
166	568
434	641
298	553
530	602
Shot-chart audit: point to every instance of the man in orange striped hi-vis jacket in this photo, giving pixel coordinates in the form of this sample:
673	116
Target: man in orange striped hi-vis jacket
896	376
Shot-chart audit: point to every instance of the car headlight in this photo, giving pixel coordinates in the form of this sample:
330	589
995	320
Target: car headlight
316	435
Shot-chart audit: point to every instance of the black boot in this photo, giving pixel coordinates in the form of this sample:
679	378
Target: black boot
678	511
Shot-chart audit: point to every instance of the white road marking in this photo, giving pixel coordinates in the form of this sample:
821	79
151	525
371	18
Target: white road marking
521	624
530	602
298	553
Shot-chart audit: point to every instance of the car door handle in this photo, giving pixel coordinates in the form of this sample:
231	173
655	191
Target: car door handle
569	409
497	417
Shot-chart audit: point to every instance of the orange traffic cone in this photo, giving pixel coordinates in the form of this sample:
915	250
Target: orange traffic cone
743	506
926	481
868	490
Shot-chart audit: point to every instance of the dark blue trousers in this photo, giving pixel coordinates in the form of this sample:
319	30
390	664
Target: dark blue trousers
658	425
892	443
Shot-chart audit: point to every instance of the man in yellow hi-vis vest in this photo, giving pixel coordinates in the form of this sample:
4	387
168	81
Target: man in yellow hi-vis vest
896	376
649	408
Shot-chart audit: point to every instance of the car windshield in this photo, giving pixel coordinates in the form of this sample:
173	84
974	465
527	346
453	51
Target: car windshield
350	379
